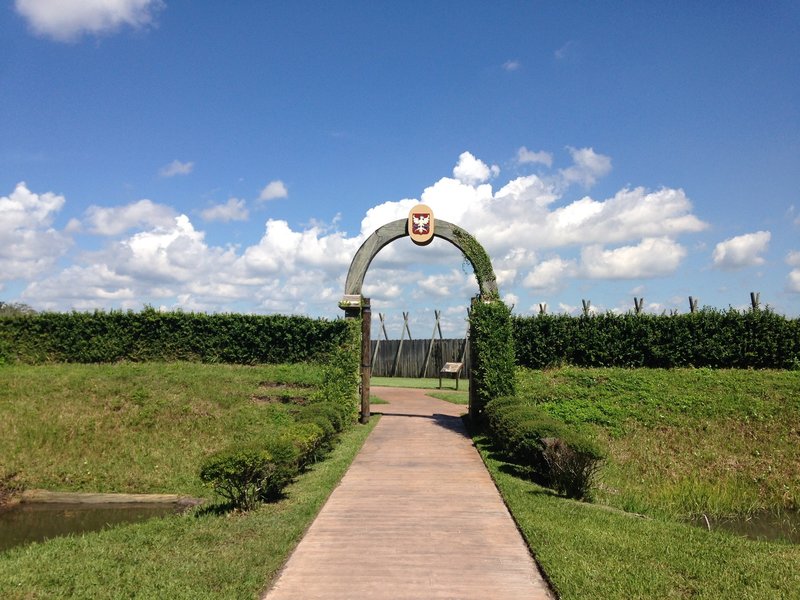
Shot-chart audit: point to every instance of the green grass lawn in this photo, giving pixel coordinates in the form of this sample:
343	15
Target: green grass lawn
590	552
135	427
684	442
146	428
681	442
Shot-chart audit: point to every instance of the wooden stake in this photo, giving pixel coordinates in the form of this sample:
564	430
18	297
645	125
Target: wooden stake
436	326
378	341
755	298
400	346
466	341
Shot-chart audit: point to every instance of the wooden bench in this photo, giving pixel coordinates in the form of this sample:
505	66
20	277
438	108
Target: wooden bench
451	368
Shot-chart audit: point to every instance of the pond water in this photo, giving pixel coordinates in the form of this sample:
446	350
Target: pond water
759	526
34	522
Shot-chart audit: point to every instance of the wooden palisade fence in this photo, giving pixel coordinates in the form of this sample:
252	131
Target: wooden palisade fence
407	357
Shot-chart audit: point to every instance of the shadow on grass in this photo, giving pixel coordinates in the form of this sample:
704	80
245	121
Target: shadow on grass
493	452
217	509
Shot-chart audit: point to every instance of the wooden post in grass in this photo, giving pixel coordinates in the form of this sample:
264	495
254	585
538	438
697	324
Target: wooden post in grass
366	363
355	306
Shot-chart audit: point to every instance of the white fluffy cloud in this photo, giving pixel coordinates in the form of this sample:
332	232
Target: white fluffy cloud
652	257
164	259
66	20
176	167
588	167
274	190
741	251
29	244
550	274
793	279
118	219
448	284
525	156
471	170
234	209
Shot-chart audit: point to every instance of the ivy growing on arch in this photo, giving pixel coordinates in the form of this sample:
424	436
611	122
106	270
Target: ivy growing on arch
479	259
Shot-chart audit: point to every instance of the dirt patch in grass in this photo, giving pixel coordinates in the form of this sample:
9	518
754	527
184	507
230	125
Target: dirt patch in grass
297	400
273	385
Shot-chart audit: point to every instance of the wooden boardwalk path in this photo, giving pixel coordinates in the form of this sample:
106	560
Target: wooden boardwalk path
416	516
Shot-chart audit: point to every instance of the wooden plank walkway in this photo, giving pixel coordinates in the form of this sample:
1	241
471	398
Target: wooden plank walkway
416	516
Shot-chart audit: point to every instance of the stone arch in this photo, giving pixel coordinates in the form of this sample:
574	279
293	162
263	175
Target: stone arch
386	234
356	306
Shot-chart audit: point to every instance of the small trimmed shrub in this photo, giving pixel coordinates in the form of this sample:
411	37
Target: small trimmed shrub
303	444
572	465
323	423
248	475
554	454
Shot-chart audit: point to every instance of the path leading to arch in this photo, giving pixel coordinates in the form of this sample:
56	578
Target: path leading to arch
416	516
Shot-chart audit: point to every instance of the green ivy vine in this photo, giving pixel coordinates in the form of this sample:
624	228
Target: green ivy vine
475	254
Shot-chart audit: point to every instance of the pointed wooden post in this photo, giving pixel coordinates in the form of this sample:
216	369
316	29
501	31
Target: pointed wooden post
464	353
430	347
378	341
400	346
755	298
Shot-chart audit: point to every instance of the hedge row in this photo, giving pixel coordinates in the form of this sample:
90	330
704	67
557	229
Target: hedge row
149	335
757	339
245	475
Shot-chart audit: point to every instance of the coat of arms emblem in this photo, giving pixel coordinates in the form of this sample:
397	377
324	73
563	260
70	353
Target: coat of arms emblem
420	224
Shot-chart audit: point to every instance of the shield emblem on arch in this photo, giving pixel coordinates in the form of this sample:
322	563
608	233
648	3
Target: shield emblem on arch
420	224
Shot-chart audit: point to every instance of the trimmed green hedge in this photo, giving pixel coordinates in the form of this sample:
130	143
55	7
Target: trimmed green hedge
759	339
491	354
150	335
246	475
551	452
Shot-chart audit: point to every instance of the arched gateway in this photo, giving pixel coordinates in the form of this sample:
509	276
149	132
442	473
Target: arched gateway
421	227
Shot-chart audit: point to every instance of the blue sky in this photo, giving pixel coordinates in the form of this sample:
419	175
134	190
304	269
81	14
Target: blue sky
233	156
